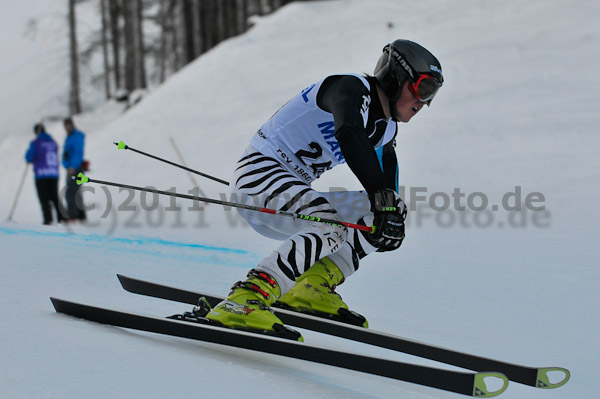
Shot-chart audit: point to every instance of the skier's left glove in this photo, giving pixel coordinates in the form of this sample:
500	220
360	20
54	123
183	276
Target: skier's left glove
389	214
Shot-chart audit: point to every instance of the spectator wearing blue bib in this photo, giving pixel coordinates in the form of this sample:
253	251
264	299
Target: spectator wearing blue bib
43	154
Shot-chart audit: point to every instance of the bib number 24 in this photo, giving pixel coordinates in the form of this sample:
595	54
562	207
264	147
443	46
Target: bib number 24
310	157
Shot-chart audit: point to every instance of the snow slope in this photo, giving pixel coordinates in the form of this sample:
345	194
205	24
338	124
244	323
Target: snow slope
519	108
35	69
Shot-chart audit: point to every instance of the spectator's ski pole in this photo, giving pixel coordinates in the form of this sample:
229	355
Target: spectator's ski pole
81	178
182	161
14	206
191	175
122	146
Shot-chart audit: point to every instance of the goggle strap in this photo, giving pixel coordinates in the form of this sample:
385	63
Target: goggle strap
412	74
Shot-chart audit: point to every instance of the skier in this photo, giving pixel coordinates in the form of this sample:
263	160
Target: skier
43	153
73	163
345	118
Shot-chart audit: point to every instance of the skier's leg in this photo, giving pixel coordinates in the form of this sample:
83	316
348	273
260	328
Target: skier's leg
314	291
263	182
352	206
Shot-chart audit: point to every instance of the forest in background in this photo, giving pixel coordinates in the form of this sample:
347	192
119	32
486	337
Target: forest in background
143	42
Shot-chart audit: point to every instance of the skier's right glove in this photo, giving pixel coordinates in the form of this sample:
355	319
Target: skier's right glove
389	214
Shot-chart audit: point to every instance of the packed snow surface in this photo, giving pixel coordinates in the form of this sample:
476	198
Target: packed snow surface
517	116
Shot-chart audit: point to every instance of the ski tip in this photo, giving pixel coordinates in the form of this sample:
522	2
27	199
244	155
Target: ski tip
120	145
545	376
493	380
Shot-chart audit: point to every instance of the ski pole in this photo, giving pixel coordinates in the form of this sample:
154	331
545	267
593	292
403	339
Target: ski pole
122	146
81	179
14	206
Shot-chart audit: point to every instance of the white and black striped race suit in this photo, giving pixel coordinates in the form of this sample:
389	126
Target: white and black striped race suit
337	120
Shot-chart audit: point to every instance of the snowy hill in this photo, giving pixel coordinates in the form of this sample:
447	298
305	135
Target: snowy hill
35	69
519	108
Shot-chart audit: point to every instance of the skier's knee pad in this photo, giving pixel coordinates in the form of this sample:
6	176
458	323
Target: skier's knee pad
333	235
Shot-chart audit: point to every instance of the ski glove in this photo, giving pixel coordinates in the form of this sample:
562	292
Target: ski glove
390	212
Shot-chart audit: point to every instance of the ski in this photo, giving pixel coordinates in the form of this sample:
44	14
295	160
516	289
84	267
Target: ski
539	377
466	383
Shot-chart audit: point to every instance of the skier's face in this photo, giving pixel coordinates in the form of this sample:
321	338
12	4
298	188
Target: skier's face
407	105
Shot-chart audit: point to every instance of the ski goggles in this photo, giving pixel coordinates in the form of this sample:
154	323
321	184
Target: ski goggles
425	88
422	86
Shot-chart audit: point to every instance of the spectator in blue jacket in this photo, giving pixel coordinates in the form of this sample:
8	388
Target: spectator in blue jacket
73	163
43	153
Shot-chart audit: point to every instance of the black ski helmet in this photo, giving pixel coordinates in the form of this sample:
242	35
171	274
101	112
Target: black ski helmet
408	61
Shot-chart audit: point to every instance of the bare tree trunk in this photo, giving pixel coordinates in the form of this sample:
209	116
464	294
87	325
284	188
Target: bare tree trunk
135	72
233	18
129	48
264	6
220	20
196	27
242	16
188	29
226	21
163	12
140	48
74	100
179	34
103	10
207	9
115	11
275	4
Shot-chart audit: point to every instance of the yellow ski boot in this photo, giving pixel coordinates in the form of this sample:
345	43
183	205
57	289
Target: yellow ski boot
247	308
314	294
